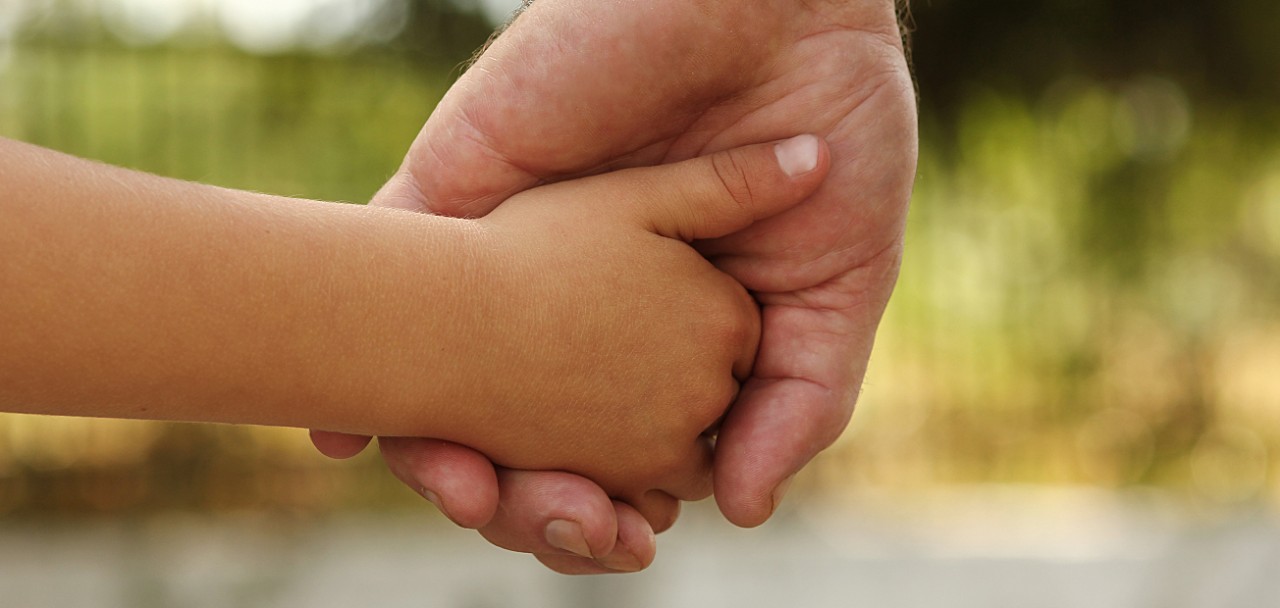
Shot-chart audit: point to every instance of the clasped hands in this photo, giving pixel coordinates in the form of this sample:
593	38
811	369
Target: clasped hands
583	87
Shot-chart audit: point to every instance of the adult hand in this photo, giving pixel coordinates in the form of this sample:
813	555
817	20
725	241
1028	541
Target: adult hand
585	86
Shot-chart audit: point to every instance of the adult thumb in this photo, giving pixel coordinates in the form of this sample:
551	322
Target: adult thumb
722	193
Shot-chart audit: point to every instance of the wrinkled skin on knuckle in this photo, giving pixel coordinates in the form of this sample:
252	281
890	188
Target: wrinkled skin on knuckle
734	178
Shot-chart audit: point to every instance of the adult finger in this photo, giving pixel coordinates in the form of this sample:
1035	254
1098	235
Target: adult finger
554	513
798	401
458	480
633	550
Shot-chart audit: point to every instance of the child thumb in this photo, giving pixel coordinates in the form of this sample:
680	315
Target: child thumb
722	193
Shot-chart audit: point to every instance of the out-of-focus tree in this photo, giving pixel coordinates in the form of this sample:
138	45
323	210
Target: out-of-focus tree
1228	49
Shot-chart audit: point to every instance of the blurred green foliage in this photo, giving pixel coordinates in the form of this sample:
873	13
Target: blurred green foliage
1089	293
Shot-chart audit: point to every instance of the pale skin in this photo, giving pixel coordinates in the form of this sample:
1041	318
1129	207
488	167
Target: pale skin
604	347
583	86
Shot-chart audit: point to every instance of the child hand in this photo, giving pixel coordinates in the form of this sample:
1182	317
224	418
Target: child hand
606	345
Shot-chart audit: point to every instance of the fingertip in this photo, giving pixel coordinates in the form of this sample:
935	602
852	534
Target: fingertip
798	155
532	502
339	446
620	561
753	507
744	509
772	432
471	509
572	565
768	179
805	160
721	193
637	543
743	478
664	520
600	525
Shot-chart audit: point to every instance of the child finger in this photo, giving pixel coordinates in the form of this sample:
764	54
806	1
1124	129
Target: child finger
722	193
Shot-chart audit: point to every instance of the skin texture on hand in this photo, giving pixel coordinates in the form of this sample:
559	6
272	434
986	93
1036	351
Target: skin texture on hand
606	344
585	86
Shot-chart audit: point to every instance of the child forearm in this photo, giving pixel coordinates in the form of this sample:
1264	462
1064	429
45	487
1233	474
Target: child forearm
129	295
574	328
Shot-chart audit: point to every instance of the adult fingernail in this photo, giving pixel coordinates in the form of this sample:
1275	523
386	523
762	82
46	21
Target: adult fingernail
798	155
567	536
621	560
781	491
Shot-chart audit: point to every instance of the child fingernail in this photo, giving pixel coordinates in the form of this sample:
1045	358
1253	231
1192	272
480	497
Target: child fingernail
567	536
798	155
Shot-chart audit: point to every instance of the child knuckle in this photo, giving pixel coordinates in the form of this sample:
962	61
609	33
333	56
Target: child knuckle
735	317
666	463
731	170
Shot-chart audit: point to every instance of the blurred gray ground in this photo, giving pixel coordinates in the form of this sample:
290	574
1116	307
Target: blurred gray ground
983	548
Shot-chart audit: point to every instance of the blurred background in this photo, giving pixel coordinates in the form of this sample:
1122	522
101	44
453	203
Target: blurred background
1075	397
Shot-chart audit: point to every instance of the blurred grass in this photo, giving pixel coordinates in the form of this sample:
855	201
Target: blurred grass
1089	294
298	125
329	126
